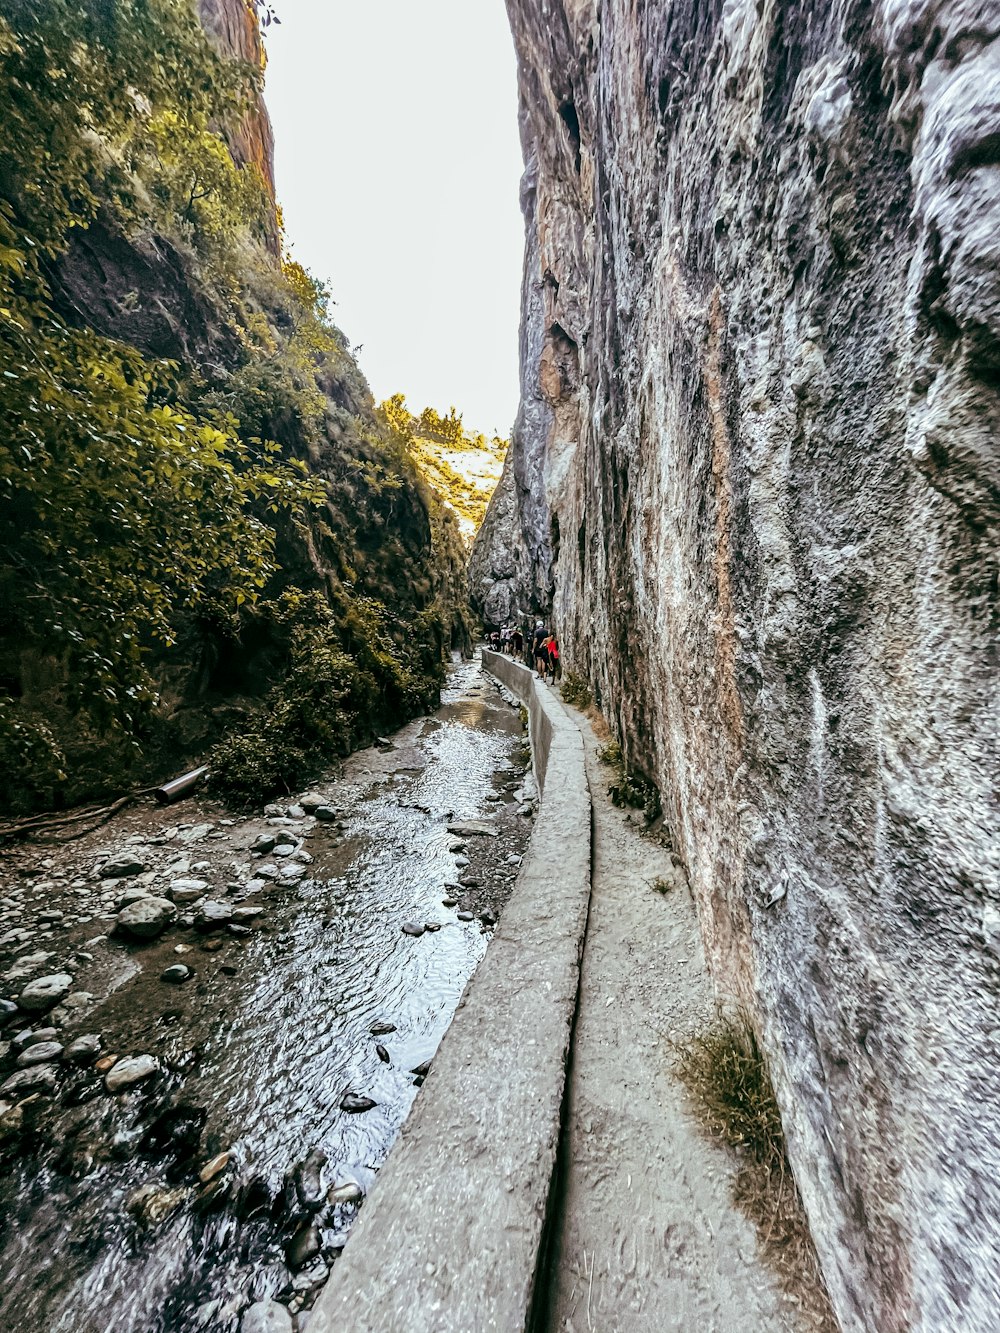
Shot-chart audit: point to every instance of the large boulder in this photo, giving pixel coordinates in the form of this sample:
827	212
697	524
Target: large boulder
45	992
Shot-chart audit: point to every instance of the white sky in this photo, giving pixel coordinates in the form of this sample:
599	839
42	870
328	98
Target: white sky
398	165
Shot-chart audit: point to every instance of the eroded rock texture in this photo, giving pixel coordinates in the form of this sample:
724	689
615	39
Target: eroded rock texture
759	444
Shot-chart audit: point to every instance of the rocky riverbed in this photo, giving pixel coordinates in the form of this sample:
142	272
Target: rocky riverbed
213	1025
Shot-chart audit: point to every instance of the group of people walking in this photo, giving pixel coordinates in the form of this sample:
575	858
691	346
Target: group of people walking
539	648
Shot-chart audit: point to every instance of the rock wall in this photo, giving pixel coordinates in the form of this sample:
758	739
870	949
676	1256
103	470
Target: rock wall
758	441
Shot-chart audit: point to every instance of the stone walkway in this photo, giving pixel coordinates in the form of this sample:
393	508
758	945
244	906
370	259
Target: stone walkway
649	1240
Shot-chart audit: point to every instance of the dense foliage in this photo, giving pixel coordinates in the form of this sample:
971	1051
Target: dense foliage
155	516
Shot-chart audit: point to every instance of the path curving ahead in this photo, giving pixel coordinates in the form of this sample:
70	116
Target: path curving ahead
550	1177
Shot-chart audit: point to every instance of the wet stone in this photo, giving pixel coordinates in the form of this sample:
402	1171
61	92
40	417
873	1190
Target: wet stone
355	1104
382	1053
7	1009
308	1178
238	930
126	1073
413	928
466	916
214	1168
326	813
423	1069
45	992
382	1029
448	902
44	1053
303	1247
266	1317
31	1037
244	915
39	1078
83	1050
347	1191
176	974
132	895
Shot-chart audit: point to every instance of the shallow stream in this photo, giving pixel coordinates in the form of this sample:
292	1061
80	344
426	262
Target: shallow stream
104	1223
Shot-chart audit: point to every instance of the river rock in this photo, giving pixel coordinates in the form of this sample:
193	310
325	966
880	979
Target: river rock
45	992
448	902
187	890
146	918
132	895
265	843
129	1071
291	871
214	1168
413	928
245	915
176	974
355	1104
474	828
381	1028
38	1078
212	915
266	1317
267	871
285	838
465	916
308	1178
311	802
7	1009
122	867
326	813
151	1203
43	1053
382	1053
31	1037
237	930
303	1247
348	1191
83	1050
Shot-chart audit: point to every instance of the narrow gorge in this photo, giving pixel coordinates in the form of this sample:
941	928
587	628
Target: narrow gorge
754	481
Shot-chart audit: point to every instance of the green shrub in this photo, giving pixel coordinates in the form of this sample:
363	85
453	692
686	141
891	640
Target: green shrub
575	690
627	788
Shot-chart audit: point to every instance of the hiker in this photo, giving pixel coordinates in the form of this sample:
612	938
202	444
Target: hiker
517	641
539	652
554	665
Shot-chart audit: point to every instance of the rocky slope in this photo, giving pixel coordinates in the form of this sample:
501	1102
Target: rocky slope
755	478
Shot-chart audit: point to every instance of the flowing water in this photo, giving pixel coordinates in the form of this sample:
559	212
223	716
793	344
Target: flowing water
259	1047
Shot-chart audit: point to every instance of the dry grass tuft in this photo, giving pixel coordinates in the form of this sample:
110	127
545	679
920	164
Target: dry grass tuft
725	1071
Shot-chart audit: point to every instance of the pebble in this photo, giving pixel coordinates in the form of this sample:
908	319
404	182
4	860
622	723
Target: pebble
448	902
39	1078
126	1073
212	946
266	1317
308	1177
51	916
354	1103
432	926
264	844
41	1054
83	1049
468	881
152	1203
105	1063
461	862
176	974
472	828
466	916
381	1028
45	992
382	1053
146	918
235	929
413	928
422	1069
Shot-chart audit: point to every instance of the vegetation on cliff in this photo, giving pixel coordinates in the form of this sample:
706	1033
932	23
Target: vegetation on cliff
462	467
198	502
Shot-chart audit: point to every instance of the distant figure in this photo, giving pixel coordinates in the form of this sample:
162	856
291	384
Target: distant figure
554	667
495	640
517	642
539	652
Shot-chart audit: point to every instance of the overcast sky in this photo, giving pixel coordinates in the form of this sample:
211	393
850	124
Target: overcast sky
398	165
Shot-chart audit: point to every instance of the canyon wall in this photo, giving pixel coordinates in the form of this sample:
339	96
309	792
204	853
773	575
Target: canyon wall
755	481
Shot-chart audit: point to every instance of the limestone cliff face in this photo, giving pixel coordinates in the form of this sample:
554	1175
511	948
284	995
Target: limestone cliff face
759	442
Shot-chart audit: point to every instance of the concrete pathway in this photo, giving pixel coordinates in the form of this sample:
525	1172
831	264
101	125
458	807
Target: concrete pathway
649	1240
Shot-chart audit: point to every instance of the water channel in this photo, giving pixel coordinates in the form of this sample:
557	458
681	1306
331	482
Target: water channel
104	1221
